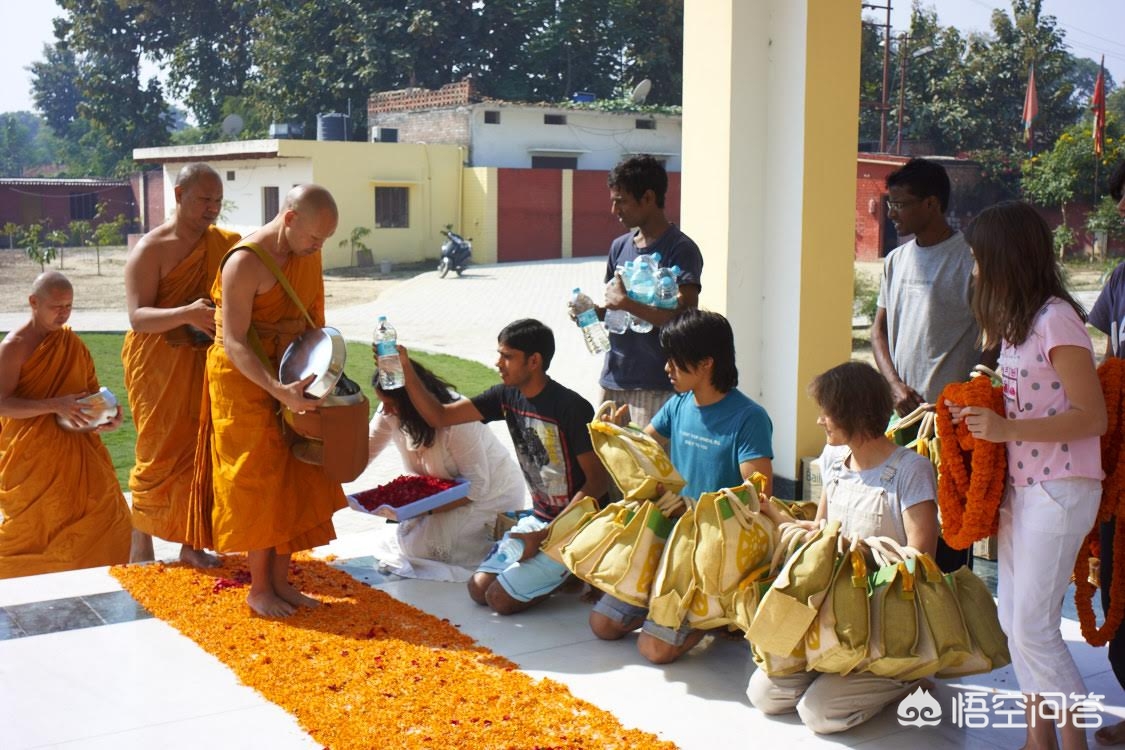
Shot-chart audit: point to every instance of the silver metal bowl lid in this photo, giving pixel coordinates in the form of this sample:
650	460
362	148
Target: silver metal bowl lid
319	351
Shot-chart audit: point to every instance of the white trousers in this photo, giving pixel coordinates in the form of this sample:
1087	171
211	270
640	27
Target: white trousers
1041	529
826	703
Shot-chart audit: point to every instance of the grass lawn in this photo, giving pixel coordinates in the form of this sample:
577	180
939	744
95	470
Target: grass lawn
470	378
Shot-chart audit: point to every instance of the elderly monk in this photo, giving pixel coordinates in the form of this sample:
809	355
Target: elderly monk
266	502
59	496
168	280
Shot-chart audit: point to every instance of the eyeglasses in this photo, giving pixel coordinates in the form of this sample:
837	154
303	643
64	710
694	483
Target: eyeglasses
899	205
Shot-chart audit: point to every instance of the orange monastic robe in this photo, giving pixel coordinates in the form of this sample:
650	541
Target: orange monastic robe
62	506
165	385
263	497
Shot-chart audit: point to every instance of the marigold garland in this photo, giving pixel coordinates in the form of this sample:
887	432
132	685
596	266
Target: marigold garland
1111	374
365	670
973	472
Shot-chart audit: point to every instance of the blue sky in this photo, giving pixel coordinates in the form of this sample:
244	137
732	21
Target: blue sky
1093	28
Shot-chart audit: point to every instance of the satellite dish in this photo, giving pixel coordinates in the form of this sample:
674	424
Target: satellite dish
640	93
232	125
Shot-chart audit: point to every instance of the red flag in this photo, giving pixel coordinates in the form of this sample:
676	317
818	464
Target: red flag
1097	104
1030	107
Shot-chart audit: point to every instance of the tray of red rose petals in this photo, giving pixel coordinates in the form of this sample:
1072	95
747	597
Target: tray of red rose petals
410	495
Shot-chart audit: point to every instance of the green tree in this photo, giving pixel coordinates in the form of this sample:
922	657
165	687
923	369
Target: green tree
205	48
123	112
57	239
107	232
12	230
1065	173
356	243
36	246
15	146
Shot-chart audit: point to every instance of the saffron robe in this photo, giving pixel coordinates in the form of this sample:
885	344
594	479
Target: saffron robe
63	508
264	498
165	387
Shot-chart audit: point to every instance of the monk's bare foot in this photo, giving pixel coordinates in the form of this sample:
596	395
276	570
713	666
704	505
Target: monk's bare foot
140	548
197	558
269	604
1111	735
295	597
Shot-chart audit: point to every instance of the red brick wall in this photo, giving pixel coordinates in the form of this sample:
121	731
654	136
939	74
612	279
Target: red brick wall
529	214
594	226
27	204
529	208
406	100
870	210
437	126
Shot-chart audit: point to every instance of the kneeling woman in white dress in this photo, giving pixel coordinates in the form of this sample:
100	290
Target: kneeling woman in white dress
445	545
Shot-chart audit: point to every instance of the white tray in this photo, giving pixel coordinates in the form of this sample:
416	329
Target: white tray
418	507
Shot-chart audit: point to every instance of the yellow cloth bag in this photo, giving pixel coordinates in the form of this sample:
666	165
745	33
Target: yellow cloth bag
756	583
899	645
566	525
790	606
634	460
837	639
732	538
619	549
675	578
989	644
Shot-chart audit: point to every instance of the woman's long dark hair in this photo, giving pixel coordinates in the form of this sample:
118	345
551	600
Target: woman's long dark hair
410	420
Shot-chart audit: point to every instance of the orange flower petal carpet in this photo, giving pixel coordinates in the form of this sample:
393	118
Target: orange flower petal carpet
365	670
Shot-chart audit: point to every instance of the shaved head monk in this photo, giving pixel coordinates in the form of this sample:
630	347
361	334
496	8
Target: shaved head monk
168	279
61	504
266	502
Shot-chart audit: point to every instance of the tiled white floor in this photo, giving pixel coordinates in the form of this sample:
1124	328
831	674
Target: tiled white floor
142	685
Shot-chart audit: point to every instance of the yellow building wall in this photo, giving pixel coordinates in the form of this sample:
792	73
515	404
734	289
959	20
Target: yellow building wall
768	192
352	171
478	220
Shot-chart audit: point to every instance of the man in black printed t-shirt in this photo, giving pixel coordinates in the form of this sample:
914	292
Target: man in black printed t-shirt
547	422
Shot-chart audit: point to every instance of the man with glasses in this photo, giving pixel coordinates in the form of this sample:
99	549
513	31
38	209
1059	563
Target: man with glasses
925	335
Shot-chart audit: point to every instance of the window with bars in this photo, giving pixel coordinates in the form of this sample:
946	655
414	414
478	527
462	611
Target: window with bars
392	207
83	206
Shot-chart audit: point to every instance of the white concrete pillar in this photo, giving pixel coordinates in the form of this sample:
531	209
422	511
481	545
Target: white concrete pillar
771	97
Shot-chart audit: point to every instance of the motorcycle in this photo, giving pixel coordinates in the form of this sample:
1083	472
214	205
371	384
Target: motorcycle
455	254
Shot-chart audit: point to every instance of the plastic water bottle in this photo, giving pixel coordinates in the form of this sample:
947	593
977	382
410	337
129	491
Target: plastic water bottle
386	354
509	550
667	288
593	330
642	288
617	321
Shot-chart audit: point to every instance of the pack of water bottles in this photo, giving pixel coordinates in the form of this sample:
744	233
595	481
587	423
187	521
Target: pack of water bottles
646	282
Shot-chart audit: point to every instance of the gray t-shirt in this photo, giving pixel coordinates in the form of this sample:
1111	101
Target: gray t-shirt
930	326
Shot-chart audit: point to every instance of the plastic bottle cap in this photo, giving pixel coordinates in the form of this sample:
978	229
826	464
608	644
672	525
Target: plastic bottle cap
382	317
577	289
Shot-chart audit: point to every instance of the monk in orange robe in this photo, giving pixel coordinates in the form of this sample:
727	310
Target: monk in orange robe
168	280
61	504
266	502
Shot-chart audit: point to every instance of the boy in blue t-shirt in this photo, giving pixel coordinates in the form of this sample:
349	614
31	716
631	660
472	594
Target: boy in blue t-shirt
717	437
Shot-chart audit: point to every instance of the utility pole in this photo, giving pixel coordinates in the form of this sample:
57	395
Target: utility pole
884	106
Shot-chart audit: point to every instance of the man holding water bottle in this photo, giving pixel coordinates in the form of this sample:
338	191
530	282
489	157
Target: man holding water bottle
633	372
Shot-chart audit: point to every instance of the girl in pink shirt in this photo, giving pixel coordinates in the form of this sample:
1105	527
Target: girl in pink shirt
1055	414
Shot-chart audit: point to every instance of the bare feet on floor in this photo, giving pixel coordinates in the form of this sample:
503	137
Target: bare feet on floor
1113	734
287	592
140	548
198	558
269	604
